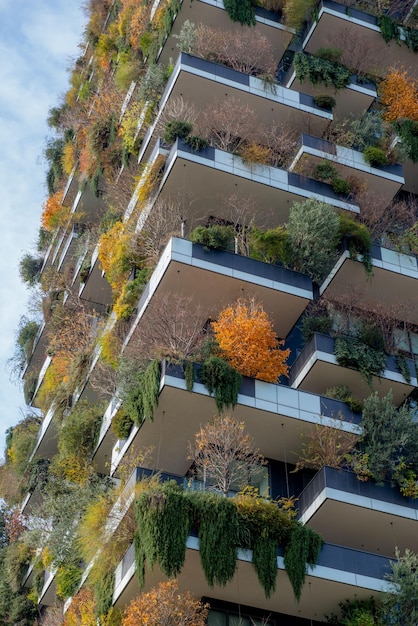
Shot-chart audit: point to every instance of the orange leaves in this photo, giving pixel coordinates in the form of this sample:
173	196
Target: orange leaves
165	606
247	341
399	94
82	611
53	213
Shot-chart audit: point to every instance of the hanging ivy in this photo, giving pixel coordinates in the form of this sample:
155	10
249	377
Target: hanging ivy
217	522
163	521
189	375
222	380
402	364
165	515
104	593
388	28
302	548
150	389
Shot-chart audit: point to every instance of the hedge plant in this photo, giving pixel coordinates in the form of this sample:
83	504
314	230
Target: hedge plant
242	11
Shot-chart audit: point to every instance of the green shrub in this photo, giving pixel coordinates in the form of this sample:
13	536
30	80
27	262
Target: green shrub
30	269
315	324
242	11
324	101
80	430
360	240
122	424
196	143
352	352
389	29
329	54
325	171
341	186
343	393
321	71
216	236
408	132
176	129
375	156
271	246
67	579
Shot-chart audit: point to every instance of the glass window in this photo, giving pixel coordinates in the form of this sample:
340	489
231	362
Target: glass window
216	618
401	340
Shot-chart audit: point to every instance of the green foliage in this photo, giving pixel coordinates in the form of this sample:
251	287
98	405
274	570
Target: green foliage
324	101
411	37
165	514
197	143
53	155
222	380
402	364
163	518
408	132
104	593
187	37
325	171
315	324
400	603
303	548
341	186
122	424
389	29
216	236
313	231
329	54
321	71
22	442
352	352
343	393
67	579
271	246
150	389
241	11
189	375
218	536
176	129
360	240
368	130
30	269
375	156
80	429
152	85
389	443
358	613
295	12
128	300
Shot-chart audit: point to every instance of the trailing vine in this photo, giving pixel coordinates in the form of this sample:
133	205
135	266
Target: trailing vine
189	375
222	380
303	548
150	389
165	515
217	522
163	518
104	593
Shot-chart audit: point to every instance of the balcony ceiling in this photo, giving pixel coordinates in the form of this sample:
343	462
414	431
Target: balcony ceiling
386	288
320	595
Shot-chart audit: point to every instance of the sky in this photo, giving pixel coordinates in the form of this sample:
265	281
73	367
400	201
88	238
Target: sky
38	41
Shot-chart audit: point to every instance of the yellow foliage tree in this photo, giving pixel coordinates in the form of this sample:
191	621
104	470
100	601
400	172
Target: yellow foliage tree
399	96
165	606
54	214
248	342
113	255
82	611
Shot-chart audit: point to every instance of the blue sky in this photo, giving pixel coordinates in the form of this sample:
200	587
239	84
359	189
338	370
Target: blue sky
38	40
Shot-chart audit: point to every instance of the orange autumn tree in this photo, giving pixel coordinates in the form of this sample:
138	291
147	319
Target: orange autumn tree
54	214
165	606
248	342
399	95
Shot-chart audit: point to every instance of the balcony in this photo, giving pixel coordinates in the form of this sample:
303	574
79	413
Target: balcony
202	82
393	281
47	440
220	173
387	518
350	102
339	574
334	17
95	291
212	13
71	188
316	369
285	415
385	181
41	377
